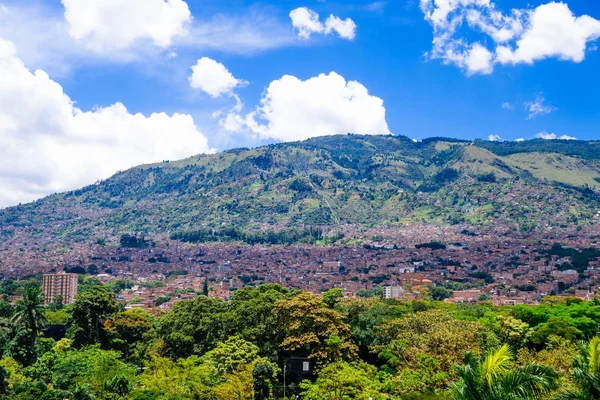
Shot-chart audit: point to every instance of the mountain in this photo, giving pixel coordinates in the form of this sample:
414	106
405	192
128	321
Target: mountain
345	183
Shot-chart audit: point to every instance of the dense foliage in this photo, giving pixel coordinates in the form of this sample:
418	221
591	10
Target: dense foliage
370	348
284	236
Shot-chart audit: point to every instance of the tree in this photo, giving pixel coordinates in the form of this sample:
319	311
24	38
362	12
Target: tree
424	348
205	287
586	370
4	375
263	373
6	309
314	329
29	312
186	378
252	317
555	326
194	326
91	366
558	355
237	386
56	303
90	310
511	330
127	329
440	293
496	378
230	355
484	297
332	297
341	380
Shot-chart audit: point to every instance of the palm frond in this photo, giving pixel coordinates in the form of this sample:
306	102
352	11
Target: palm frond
594	355
571	395
532	381
496	364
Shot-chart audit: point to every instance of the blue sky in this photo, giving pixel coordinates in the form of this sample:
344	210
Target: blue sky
509	70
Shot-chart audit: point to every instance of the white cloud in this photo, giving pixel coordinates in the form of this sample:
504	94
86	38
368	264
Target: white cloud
521	36
345	28
538	107
293	109
508	106
553	136
49	145
42	36
213	78
117	24
479	60
253	32
567	137
553	31
519	140
494	138
307	22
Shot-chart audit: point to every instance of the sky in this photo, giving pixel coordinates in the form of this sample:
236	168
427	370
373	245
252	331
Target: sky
91	87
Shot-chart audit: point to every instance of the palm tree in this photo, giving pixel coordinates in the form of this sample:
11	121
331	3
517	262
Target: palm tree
496	378
29	312
586	370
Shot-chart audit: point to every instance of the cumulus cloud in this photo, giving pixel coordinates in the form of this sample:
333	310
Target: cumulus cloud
43	38
553	136
49	145
553	31
538	107
213	78
116	24
519	140
306	22
508	106
522	36
293	109
494	138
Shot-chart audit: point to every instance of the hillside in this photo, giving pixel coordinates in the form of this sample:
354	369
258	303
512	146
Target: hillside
347	183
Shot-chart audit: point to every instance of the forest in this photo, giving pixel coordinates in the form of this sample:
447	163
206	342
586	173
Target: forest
249	348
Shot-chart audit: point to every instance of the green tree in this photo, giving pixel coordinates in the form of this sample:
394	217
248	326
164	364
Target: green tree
251	315
186	378
29	311
496	378
557	326
90	310
332	297
205	287
6	309
237	385
440	293
56	303
586	370
91	366
4	375
364	316
511	330
342	380
263	374
227	357
127	331
424	348
194	326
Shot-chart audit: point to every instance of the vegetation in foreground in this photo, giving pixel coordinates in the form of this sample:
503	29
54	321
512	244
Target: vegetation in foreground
358	348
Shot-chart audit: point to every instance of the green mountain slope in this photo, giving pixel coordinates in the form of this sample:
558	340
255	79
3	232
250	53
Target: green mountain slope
339	182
